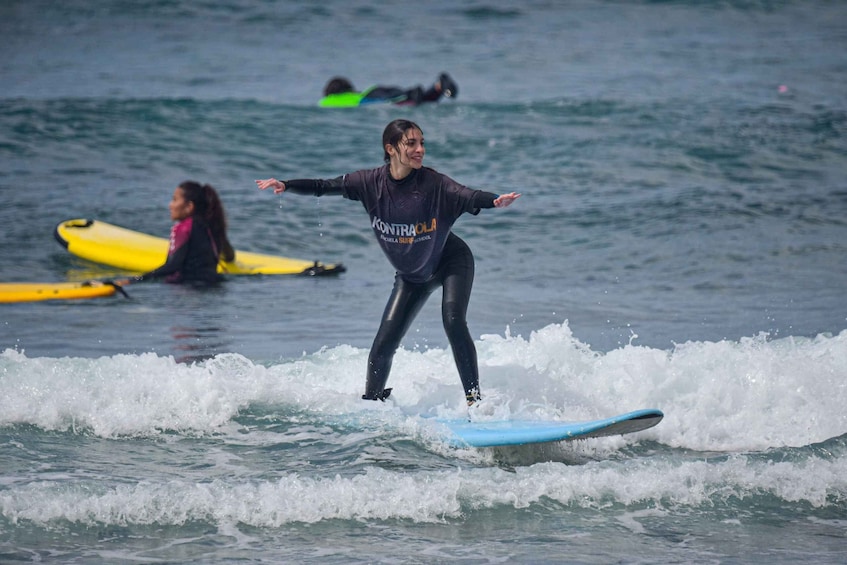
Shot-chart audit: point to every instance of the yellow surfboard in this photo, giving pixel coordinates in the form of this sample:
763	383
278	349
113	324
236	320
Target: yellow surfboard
33	292
138	252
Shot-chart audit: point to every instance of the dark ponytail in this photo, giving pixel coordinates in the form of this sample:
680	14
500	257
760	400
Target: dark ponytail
208	205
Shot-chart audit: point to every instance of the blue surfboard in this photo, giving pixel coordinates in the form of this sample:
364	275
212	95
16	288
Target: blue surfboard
519	432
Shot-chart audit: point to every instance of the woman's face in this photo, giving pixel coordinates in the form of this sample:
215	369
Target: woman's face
410	149
180	207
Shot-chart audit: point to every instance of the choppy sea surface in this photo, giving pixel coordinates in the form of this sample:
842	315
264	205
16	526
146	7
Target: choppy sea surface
681	244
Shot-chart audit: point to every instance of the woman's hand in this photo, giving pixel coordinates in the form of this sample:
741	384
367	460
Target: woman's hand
278	185
506	199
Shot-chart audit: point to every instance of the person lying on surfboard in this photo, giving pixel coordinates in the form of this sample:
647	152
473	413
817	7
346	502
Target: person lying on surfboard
198	238
340	92
413	209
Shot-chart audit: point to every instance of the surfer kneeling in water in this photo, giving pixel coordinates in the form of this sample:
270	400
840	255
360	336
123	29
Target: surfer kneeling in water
413	209
340	92
198	238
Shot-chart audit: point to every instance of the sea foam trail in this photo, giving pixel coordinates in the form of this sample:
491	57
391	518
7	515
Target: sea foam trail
751	394
433	496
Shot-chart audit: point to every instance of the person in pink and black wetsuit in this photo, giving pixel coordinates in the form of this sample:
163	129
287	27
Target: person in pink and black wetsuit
198	238
412	210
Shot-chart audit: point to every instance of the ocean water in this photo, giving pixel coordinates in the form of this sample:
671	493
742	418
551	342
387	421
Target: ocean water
681	244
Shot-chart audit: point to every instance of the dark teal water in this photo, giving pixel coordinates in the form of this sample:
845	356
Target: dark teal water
680	244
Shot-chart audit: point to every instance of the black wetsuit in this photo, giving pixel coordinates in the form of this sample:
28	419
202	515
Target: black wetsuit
192	254
401	96
412	220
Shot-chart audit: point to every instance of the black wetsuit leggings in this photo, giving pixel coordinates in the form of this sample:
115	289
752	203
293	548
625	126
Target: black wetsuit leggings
455	275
